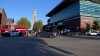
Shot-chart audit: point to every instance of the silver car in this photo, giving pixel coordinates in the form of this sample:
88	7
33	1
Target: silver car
48	34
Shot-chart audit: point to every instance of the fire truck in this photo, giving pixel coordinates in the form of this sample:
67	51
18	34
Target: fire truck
7	29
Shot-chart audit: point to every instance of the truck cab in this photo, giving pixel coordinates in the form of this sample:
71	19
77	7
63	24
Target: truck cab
6	30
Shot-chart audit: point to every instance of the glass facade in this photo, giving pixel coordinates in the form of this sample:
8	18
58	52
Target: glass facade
80	12
90	9
69	12
81	7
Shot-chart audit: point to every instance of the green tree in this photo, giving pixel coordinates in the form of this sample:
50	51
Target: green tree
24	22
95	25
38	25
88	27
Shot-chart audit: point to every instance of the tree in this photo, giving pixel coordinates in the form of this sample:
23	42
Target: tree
95	25
88	27
38	25
24	22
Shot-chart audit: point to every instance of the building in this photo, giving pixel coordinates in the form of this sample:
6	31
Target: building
10	21
3	17
73	15
34	15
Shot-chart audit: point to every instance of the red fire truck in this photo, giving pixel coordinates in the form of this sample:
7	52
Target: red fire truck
6	30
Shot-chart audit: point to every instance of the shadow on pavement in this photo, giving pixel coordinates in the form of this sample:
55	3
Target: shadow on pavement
26	46
62	50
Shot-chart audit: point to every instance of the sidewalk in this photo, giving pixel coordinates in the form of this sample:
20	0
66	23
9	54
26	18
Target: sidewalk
83	36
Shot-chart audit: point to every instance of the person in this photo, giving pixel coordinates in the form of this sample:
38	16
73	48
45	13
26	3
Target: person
55	34
27	33
61	31
76	34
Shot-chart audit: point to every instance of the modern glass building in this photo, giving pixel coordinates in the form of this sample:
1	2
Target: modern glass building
90	9
66	13
73	15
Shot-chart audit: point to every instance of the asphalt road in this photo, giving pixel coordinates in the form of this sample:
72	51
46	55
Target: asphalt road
78	46
59	46
28	46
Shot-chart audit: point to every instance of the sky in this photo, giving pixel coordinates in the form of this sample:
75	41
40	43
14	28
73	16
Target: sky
24	8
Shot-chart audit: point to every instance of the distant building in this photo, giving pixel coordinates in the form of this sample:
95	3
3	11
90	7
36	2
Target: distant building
10	21
73	15
34	15
3	17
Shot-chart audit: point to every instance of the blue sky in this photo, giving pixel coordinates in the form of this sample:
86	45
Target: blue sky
24	8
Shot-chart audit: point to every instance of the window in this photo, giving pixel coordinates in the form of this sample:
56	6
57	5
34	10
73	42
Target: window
6	26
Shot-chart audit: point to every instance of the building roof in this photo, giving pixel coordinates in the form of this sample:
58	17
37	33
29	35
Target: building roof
60	6
64	4
96	1
1	10
10	20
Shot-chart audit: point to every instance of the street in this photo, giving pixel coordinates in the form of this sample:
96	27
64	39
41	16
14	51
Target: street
26	46
59	46
77	46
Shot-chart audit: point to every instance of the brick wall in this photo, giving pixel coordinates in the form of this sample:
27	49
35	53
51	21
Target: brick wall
85	21
3	17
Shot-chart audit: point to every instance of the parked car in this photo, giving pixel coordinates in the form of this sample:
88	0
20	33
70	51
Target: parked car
92	33
48	34
98	33
12	33
65	31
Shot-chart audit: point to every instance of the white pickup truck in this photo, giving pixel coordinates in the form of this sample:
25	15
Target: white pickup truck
11	33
